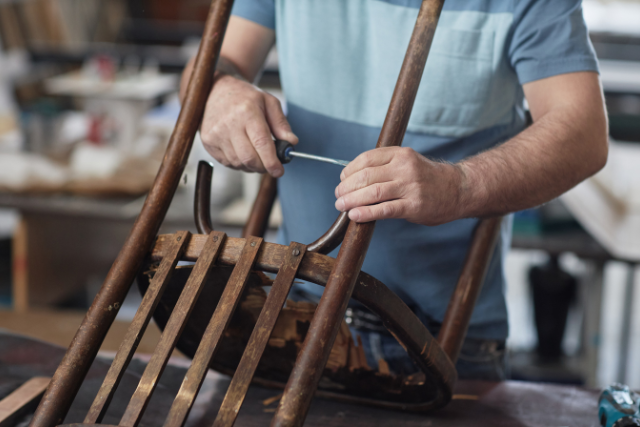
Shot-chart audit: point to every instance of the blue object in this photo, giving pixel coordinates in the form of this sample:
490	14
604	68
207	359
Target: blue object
619	407
339	61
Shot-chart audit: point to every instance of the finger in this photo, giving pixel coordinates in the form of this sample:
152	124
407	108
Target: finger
259	134
386	210
373	194
247	155
232	158
217	154
278	121
364	178
371	158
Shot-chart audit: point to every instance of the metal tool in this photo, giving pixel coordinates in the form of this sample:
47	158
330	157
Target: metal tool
286	151
619	407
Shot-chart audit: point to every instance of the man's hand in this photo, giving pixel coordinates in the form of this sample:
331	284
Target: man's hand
566	144
397	182
239	119
237	126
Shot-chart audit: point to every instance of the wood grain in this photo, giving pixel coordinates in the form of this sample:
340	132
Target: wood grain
260	336
211	338
174	328
22	400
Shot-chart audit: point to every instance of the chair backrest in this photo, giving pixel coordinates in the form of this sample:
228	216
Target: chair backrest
341	277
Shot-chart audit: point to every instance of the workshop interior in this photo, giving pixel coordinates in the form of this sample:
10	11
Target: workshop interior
143	282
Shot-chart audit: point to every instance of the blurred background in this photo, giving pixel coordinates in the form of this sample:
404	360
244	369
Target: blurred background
88	99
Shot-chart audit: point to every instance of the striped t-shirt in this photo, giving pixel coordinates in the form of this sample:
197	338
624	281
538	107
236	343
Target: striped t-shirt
339	61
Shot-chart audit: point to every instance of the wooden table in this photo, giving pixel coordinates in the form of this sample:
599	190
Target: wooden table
479	404
64	242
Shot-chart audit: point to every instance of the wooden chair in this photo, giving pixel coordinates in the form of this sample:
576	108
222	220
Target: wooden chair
174	293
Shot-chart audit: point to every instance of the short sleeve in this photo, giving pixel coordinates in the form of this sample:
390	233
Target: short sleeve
549	38
261	12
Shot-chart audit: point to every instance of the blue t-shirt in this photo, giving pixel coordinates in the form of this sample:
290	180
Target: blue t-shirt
339	61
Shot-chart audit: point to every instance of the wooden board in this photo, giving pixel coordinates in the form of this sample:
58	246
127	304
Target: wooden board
22	400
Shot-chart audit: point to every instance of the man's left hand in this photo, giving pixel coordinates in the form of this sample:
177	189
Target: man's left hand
398	182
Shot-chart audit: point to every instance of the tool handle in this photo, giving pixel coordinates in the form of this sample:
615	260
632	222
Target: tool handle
283	148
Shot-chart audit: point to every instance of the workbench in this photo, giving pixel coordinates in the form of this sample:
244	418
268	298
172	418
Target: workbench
509	403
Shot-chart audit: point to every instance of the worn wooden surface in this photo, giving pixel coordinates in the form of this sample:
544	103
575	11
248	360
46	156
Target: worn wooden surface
260	336
324	327
333	237
67	380
213	334
22	400
410	394
478	404
259	217
463	300
137	328
174	328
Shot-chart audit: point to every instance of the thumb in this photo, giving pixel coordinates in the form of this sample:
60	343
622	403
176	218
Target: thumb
277	121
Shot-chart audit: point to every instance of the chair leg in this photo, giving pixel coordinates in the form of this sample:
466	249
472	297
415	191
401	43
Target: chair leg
312	358
259	218
83	349
463	300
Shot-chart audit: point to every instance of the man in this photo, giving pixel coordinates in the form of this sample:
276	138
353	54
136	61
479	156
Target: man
466	153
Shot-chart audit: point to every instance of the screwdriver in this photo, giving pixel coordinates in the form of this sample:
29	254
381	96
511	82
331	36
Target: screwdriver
286	151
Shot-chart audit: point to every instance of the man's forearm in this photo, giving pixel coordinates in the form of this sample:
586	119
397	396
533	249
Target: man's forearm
223	67
557	152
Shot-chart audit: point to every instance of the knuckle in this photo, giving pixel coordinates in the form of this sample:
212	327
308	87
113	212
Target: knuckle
378	193
245	107
367	157
364	177
214	132
273	101
249	161
262	142
406	154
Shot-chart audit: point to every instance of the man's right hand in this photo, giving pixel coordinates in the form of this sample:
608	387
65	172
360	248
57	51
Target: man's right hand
240	119
238	122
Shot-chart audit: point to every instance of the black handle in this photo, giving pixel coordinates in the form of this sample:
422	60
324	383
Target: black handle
283	148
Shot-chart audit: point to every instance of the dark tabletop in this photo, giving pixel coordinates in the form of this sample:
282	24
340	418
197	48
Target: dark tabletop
478	404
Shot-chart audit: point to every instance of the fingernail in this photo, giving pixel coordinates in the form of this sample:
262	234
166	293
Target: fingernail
340	205
354	215
342	175
337	193
278	173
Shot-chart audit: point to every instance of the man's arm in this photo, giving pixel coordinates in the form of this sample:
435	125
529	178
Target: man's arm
239	119
566	144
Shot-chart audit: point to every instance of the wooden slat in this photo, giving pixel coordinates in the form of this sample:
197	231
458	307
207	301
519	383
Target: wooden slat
260	336
22	400
137	328
172	331
211	338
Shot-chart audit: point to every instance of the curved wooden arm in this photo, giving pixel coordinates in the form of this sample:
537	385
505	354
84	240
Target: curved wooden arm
333	237
202	198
